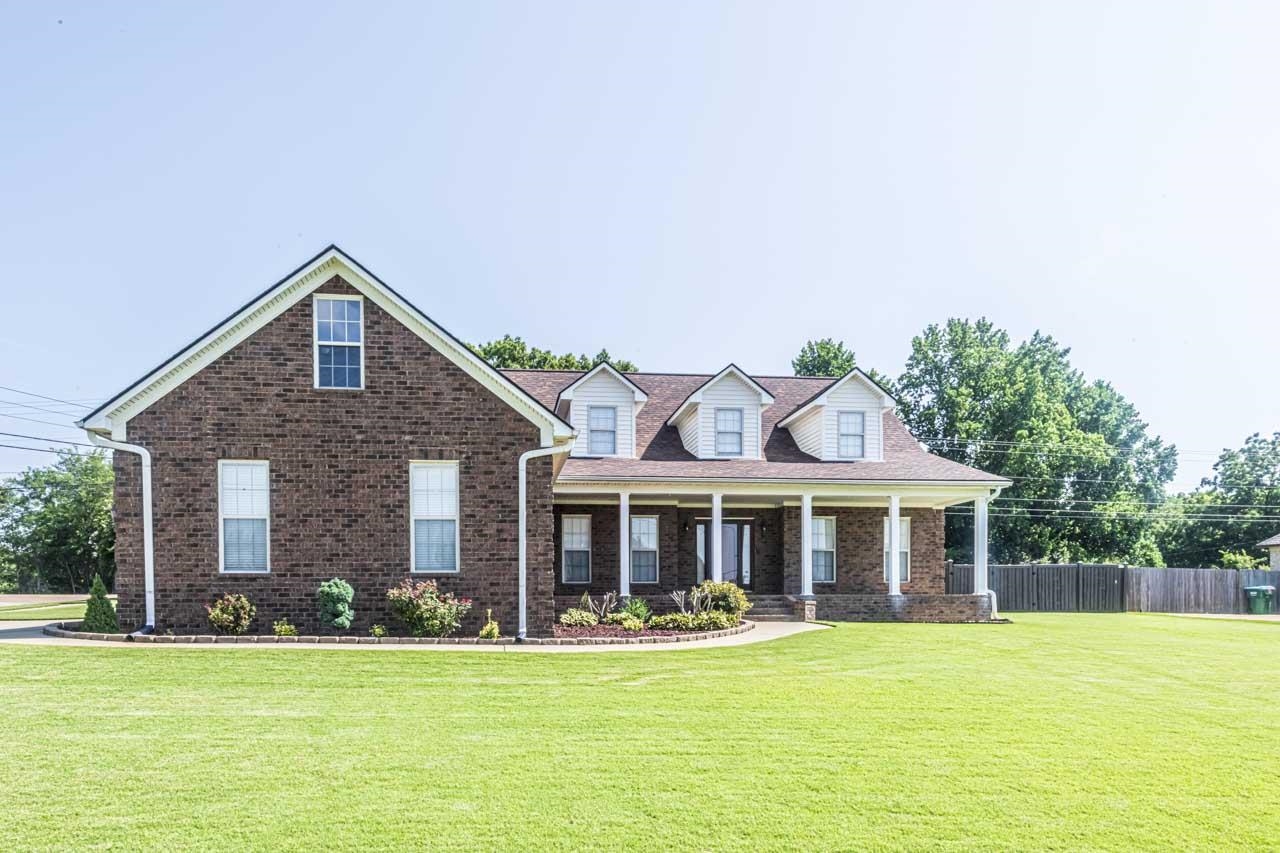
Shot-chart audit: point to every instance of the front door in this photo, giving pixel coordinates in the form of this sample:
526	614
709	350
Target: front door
735	551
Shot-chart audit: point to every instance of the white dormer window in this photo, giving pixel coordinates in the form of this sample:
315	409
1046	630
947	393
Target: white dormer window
339	342
852	439
728	432
603	424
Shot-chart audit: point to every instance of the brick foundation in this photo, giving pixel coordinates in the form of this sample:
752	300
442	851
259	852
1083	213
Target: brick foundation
906	608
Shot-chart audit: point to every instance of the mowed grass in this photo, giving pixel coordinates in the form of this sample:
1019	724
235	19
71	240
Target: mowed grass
1058	731
73	610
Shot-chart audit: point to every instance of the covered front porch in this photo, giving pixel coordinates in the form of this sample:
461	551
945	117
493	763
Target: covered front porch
851	552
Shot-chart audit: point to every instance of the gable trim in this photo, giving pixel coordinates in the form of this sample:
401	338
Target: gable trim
820	399
637	392
695	398
113	415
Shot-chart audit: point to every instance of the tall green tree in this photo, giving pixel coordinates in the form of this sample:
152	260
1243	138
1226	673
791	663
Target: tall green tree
56	531
826	357
1082	461
1227	514
513	353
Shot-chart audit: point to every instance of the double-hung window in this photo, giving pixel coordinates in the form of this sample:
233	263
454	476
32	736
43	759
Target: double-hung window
575	545
644	549
904	550
602	422
244	516
433	499
824	550
728	432
339	354
852	427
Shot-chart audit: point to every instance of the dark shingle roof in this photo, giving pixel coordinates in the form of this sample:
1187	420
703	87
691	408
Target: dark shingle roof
1273	542
661	455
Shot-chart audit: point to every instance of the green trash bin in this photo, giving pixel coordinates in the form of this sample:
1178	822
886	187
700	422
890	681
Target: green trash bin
1259	598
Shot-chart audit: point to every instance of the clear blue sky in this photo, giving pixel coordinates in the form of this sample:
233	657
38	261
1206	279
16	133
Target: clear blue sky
684	183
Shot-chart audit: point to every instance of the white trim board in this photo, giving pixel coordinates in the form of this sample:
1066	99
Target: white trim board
113	416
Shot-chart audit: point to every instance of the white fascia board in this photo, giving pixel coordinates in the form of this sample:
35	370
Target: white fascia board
113	416
638	393
886	402
926	493
694	399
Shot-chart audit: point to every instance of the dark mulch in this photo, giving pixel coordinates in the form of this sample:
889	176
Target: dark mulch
615	631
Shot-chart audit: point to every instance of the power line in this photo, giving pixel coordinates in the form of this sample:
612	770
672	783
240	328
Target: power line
1144	503
37	421
34	449
43	397
45	409
44	438
1051	444
1084	514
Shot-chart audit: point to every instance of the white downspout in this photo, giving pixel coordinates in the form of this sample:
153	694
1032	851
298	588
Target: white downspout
524	534
148	535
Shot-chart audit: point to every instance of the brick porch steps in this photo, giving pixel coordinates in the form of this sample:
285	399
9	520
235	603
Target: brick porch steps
771	608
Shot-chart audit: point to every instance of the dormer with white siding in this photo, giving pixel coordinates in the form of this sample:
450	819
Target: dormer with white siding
602	409
721	418
844	423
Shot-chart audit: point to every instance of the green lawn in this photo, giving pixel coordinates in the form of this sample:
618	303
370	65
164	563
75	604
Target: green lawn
1059	731
45	612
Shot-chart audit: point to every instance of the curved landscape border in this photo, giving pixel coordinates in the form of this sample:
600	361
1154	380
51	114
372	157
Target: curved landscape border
60	629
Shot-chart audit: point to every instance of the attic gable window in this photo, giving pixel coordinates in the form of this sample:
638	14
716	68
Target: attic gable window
339	342
602	421
728	432
853	435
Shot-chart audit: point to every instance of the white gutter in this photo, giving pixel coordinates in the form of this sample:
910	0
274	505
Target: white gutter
148	537
524	534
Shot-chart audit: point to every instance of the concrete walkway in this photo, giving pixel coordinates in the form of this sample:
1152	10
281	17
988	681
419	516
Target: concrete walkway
30	633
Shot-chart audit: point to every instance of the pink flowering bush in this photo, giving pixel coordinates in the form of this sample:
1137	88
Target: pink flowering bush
426	611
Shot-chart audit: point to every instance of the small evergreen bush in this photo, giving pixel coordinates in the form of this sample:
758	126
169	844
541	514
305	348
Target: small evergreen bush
490	629
714	620
283	628
672	622
630	623
99	615
725	597
576	617
231	614
335	597
378	631
638	608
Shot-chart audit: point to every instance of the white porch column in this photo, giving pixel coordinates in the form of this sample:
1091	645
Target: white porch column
717	540
895	545
980	579
806	546
624	544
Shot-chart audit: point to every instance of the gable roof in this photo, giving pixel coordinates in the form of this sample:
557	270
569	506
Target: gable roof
660	455
820	398
602	367
114	414
1273	542
695	396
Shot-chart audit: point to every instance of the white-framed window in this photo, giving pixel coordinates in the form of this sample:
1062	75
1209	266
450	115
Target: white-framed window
644	549
433	510
904	549
575	548
852	439
339	341
728	432
824	549
244	516
602	426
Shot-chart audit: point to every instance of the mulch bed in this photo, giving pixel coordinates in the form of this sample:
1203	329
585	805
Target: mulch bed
615	631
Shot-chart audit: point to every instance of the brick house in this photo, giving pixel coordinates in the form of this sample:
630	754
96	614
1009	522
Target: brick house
330	428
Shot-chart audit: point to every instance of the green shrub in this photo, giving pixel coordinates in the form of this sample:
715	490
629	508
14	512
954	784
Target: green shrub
614	618
639	608
672	622
335	597
99	615
630	623
724	596
378	631
490	629
231	614
425	610
283	628
714	620
576	617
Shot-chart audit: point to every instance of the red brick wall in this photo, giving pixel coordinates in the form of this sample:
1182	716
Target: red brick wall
339	480
860	551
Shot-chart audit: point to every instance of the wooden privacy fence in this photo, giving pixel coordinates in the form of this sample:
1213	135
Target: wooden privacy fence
1095	588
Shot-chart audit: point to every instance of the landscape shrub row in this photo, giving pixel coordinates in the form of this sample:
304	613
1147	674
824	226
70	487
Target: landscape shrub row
710	606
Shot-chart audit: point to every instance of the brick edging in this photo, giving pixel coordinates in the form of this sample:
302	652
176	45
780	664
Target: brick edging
59	630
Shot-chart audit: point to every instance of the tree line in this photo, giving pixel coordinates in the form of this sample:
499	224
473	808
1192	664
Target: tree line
1090	478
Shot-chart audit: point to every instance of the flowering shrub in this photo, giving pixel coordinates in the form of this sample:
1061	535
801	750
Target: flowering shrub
231	614
283	628
425	610
335	598
575	617
490	629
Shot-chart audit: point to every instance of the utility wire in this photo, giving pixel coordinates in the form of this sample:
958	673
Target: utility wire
45	438
43	397
34	449
38	421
